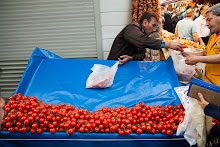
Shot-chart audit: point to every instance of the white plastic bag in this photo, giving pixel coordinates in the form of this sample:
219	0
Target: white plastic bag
183	71
102	76
186	126
195	125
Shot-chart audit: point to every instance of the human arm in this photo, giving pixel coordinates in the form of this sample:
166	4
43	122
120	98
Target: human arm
198	26
124	58
195	37
209	109
176	33
138	55
194	32
212	111
201	42
211	59
173	45
136	37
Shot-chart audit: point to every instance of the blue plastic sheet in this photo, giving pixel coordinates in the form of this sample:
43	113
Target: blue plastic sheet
55	80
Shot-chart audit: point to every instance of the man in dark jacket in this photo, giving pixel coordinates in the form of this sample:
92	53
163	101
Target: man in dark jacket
168	23
131	42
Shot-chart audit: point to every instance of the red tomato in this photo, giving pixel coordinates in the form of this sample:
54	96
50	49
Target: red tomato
169	132
52	130
127	132
121	132
139	131
10	130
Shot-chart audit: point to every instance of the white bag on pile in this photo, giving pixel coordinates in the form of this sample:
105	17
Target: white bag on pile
102	76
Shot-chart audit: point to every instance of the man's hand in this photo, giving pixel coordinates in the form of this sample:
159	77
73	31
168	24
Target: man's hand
174	45
202	101
124	58
185	54
191	60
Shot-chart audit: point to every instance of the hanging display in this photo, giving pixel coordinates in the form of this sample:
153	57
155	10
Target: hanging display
140	6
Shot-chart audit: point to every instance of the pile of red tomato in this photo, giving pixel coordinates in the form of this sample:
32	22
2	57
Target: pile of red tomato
24	113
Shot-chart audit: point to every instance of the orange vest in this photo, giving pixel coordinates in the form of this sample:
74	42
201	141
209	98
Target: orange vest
213	70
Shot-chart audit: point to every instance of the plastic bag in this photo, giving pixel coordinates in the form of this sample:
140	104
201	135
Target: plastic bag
183	71
187	126
102	76
195	125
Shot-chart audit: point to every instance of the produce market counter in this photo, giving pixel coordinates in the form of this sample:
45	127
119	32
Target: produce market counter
55	80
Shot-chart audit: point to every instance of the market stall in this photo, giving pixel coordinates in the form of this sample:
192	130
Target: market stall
55	80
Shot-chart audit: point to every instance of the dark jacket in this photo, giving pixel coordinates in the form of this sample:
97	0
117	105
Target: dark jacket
213	111
168	24
132	41
175	20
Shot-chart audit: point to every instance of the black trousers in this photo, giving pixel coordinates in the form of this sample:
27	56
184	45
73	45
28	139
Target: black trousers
214	139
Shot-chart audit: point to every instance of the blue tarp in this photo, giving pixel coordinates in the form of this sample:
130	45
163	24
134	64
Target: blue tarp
55	80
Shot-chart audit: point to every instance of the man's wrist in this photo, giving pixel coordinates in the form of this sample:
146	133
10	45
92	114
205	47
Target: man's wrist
163	44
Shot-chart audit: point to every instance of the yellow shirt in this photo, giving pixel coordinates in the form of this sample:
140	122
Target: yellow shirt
213	70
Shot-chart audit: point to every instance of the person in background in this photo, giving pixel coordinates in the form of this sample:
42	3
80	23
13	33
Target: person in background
186	28
168	24
202	30
175	19
132	41
211	54
2	103
183	15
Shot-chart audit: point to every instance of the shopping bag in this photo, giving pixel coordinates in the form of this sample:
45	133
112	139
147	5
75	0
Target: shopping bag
187	125
183	71
102	76
195	124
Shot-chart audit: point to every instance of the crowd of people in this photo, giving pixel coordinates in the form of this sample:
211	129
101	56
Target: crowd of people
190	24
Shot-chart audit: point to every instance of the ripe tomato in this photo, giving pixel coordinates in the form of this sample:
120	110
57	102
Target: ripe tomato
34	126
10	130
32	131
71	131
52	130
163	131
169	132
121	132
179	106
139	131
66	125
88	126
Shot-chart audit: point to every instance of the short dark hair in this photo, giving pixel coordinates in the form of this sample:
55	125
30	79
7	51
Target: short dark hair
148	16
